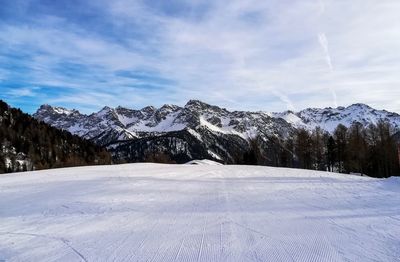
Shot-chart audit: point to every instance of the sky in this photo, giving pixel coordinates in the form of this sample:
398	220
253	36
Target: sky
271	55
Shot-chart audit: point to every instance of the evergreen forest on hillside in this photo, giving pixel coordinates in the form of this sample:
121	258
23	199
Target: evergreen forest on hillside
372	150
27	144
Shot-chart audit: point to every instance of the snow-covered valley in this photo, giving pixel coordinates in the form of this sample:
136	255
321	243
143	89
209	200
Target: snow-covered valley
154	212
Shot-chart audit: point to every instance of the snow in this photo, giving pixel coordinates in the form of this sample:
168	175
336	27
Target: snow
289	117
210	126
165	125
125	120
203	162
61	110
8	162
154	212
214	155
225	129
195	134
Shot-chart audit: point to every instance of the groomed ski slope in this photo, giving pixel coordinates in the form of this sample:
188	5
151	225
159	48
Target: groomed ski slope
205	212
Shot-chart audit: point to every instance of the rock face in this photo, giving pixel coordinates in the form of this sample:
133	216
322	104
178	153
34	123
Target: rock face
198	130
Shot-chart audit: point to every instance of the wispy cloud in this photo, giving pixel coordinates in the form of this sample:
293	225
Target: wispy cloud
23	92
242	54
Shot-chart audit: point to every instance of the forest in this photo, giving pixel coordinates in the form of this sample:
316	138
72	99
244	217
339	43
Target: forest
372	150
27	144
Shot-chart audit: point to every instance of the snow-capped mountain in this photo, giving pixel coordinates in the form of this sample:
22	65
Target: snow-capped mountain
119	124
199	130
329	118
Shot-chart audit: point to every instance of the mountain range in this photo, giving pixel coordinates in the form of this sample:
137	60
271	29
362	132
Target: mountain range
199	130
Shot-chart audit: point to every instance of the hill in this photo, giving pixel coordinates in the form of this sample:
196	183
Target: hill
27	144
204	212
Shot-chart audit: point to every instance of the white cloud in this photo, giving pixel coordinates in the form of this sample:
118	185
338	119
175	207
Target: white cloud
271	55
22	92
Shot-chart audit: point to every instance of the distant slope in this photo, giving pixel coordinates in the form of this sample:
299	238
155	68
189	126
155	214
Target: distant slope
27	144
205	212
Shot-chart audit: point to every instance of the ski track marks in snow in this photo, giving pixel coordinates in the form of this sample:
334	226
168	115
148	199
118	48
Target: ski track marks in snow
152	212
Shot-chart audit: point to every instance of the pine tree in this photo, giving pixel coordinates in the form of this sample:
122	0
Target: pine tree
303	148
357	149
340	135
318	148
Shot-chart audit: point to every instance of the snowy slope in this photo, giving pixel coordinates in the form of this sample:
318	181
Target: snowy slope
150	212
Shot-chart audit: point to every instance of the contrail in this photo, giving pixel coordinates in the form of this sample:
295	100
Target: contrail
323	41
285	99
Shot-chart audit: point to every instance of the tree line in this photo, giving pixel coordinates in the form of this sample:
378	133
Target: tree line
27	144
371	150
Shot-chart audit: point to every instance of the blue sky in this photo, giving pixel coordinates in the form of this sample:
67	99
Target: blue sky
253	55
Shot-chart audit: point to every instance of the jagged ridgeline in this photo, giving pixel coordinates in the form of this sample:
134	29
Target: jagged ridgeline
353	139
172	133
29	144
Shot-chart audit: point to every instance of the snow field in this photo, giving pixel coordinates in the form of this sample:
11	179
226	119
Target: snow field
203	212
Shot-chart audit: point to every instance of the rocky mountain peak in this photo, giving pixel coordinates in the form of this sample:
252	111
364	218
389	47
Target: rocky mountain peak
199	106
45	107
106	109
360	106
57	110
148	109
169	107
